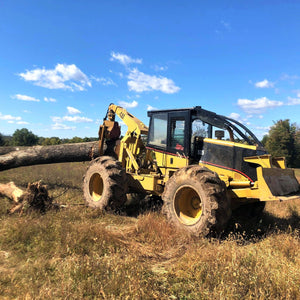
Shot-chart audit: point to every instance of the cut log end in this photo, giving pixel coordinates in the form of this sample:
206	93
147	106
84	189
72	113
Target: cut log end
34	198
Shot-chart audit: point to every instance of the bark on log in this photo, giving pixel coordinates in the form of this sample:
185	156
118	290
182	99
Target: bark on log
7	149
49	154
35	197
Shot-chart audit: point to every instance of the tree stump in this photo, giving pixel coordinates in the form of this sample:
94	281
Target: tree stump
34	198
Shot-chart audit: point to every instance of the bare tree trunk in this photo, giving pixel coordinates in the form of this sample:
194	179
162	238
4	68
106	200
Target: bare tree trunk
49	154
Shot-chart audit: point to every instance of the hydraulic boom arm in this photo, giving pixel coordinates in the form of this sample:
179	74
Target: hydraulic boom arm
134	124
131	144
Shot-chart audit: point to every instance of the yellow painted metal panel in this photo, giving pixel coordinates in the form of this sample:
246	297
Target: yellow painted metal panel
229	143
148	182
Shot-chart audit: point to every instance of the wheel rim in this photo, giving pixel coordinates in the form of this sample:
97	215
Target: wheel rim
96	187
187	204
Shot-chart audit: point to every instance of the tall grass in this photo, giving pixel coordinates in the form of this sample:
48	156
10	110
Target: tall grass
80	253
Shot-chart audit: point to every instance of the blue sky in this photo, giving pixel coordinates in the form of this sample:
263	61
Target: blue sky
63	62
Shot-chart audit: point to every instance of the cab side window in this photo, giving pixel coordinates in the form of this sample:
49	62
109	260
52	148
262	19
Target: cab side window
158	130
177	134
199	128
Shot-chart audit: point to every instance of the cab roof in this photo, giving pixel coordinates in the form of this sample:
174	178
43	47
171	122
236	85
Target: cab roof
152	112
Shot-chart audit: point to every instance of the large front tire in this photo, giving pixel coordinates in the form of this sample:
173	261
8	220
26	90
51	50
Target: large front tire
104	184
195	200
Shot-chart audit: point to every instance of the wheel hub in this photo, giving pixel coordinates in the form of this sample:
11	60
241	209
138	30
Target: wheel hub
96	187
187	204
196	203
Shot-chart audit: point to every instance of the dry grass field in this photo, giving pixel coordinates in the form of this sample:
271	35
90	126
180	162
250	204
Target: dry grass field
80	253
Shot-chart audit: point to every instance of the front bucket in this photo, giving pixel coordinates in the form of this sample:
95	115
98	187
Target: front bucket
281	182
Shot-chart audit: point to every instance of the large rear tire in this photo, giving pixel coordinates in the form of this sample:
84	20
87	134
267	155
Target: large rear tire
104	184
195	200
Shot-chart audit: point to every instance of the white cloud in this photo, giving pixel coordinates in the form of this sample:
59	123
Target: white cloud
49	99
128	104
290	78
136	96
234	116
119	74
73	110
293	101
264	84
141	82
56	119
9	118
68	77
104	81
59	126
258	105
75	119
223	27
160	68
264	128
124	59
226	25
238	118
25	98
149	107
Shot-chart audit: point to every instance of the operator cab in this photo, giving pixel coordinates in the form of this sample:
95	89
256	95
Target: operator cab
202	137
168	131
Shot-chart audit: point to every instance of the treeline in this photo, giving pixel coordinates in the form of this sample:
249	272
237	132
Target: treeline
24	137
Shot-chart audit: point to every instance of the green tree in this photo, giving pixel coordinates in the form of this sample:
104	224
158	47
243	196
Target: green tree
75	139
264	140
281	141
297	145
2	142
24	137
50	141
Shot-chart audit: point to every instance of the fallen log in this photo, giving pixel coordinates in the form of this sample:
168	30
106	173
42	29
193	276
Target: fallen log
35	197
7	149
49	154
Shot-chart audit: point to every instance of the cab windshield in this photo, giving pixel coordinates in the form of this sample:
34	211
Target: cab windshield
211	125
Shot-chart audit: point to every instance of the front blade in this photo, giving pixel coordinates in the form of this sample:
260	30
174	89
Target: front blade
281	182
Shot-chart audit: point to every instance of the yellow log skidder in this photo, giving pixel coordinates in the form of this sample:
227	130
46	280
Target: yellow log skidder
201	164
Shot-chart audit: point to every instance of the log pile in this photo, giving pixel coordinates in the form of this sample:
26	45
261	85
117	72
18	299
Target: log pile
34	198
